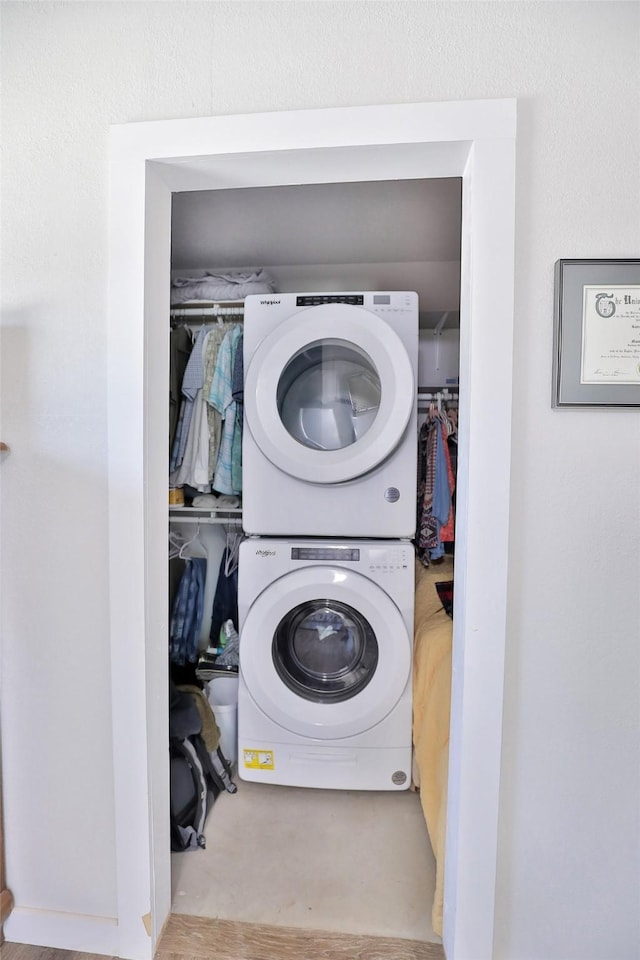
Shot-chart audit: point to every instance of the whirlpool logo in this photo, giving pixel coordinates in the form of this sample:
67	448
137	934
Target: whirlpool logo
269	303
265	553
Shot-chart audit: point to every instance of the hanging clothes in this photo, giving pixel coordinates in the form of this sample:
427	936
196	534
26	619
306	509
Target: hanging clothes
447	532
426	536
180	345
199	431
228	473
441	502
436	483
212	349
194	469
187	612
225	601
191	382
237	386
237	380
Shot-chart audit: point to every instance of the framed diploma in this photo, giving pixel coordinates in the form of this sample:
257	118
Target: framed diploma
596	340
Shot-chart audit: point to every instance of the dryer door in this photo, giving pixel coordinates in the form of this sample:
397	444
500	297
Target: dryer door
325	652
329	393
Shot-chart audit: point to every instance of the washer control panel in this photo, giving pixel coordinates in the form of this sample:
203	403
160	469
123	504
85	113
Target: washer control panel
326	553
375	559
389	559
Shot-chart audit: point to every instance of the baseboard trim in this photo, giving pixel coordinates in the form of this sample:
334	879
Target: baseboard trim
65	931
201	939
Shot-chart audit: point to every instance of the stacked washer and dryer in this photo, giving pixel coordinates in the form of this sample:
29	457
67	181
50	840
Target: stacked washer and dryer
326	574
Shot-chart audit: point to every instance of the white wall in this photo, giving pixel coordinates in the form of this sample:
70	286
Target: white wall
569	855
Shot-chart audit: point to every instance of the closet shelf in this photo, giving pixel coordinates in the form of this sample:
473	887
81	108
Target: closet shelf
229	515
203	309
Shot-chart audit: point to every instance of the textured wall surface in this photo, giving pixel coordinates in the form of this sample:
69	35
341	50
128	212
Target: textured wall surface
569	854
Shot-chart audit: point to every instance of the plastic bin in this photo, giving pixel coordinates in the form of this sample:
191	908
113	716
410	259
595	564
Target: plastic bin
223	697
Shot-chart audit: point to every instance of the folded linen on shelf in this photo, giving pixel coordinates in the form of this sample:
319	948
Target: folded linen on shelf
209	501
231	285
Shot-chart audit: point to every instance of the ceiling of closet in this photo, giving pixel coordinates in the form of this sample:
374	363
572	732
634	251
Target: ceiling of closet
374	235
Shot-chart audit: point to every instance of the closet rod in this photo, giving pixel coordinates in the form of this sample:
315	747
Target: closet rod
426	399
433	394
227	521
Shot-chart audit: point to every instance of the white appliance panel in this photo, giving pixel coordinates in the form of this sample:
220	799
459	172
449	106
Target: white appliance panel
316	609
329	443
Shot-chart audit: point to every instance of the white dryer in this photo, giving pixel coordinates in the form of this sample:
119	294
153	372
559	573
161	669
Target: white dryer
329	442
324	696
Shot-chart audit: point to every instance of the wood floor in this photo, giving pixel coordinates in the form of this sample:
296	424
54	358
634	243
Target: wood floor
195	938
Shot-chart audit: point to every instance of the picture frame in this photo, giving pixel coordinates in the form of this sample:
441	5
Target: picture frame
596	333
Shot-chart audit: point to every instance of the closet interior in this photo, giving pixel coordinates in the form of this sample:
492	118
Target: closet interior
346	861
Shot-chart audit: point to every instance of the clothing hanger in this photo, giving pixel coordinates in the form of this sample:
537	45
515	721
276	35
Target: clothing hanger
176	540
452	421
188	543
234	540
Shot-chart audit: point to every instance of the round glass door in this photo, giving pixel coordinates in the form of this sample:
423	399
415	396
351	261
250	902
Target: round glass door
328	395
325	651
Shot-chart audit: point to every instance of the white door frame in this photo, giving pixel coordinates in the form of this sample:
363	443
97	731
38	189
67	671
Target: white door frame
148	161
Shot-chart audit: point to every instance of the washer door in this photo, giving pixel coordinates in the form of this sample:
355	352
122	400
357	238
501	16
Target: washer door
325	653
328	393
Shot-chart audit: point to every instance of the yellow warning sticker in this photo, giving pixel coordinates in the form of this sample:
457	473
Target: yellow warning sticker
258	759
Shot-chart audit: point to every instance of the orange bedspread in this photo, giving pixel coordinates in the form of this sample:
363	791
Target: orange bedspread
431	708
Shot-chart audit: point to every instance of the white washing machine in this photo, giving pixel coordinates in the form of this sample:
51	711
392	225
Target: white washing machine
324	697
329	442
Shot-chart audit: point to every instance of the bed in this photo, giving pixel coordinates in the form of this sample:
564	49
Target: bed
431	706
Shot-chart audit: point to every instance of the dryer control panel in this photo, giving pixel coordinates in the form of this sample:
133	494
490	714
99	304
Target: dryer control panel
316	299
383	304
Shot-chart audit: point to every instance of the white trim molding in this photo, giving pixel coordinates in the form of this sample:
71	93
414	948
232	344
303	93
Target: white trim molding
65	931
474	140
